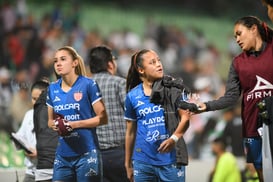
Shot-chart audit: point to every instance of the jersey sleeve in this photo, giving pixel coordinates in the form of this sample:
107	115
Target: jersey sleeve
49	97
94	92
129	110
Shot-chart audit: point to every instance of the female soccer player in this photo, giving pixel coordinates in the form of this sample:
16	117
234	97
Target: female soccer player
150	153
78	99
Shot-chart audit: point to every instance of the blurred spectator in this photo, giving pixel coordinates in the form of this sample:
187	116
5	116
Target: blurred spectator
5	94
16	49
206	61
233	132
71	17
213	129
21	9
56	37
150	28
192	137
92	38
187	70
131	40
35	47
20	101
169	58
26	132
226	168
45	25
57	14
8	15
5	97
123	62
197	128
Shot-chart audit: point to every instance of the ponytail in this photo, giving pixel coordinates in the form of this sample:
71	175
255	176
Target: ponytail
133	77
267	33
80	69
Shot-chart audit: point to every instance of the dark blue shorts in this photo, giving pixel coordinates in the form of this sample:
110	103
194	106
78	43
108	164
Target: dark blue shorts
84	168
253	148
151	173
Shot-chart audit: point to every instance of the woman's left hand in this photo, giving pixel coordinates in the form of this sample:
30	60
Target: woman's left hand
166	146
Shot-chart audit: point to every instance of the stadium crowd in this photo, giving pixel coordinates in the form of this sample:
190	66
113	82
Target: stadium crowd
28	45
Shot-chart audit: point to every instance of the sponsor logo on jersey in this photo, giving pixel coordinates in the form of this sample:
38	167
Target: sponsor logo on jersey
155	135
138	97
78	96
149	110
64	107
56	91
97	93
56	99
139	103
263	88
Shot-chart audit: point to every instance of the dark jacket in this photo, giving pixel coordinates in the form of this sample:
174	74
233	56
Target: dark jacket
168	92
47	139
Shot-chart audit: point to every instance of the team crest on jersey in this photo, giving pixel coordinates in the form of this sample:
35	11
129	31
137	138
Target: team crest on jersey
78	96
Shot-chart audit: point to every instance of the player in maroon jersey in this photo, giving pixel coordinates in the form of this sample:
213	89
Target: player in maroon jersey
250	76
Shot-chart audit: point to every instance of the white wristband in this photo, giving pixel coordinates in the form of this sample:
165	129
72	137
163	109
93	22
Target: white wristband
175	138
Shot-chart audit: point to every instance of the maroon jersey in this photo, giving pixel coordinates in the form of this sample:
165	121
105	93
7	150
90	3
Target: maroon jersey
256	81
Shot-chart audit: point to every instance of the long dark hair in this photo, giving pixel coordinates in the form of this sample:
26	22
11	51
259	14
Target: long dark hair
133	77
263	29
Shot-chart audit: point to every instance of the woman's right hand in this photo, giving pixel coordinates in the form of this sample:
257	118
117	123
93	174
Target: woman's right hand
130	173
53	125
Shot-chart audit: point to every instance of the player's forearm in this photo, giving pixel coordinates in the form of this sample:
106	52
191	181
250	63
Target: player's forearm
128	151
182	128
183	124
129	144
103	118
